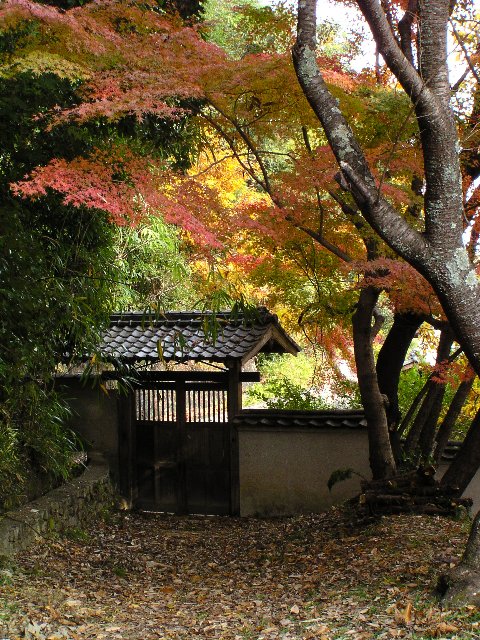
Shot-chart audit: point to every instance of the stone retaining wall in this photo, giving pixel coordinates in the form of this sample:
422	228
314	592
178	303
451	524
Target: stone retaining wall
72	505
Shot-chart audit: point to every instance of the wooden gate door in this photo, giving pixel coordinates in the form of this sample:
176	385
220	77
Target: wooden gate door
183	444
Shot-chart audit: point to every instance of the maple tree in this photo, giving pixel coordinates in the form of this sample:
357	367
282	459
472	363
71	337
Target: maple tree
437	249
240	101
61	275
303	195
122	52
135	69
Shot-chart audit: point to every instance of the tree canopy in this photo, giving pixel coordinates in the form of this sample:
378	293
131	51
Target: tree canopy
144	142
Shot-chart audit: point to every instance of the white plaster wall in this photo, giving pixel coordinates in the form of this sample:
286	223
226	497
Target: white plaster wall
285	471
472	491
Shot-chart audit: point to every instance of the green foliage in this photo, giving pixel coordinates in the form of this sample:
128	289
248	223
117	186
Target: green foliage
152	269
381	112
50	307
294	382
412	381
262	28
119	571
339	475
410	384
346	393
282	393
286	384
77	535
59	273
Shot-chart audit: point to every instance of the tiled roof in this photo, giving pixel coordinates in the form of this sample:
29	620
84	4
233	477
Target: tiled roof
183	336
334	419
270	418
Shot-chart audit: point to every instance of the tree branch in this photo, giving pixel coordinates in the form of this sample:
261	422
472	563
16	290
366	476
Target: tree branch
231	143
377	211
388	46
379	322
470	64
390	226
321	240
405	30
430	94
250	145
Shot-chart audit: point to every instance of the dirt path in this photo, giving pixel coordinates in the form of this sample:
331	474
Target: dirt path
149	577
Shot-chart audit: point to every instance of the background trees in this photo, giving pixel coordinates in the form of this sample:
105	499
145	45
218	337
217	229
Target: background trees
64	266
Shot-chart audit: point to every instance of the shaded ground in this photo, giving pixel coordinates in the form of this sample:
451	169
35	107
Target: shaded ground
149	577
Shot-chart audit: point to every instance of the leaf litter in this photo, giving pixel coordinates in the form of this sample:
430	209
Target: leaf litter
318	577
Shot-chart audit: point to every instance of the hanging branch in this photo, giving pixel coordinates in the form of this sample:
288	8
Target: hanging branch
250	145
405	30
470	64
266	184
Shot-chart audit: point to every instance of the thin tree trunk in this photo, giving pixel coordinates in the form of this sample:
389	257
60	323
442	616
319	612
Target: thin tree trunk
454	410
413	407
428	413
382	461
427	436
465	466
413	436
429	430
461	586
391	359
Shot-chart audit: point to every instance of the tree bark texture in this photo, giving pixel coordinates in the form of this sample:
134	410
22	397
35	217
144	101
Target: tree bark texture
462	585
454	410
391	359
382	461
438	253
461	471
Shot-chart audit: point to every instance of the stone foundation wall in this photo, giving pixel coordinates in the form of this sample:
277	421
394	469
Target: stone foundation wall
72	505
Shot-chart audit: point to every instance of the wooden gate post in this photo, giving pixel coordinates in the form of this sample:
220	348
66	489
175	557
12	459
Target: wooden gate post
181	411
127	447
234	407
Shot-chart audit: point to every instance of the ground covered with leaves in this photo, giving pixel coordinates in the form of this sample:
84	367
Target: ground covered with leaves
144	577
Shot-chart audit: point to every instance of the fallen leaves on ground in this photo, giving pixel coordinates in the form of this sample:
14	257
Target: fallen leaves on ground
152	576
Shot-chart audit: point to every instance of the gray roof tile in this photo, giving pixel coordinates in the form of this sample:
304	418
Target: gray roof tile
181	335
347	419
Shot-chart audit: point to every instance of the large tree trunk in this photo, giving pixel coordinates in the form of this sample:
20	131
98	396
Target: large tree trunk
462	585
438	250
382	461
466	464
453	413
